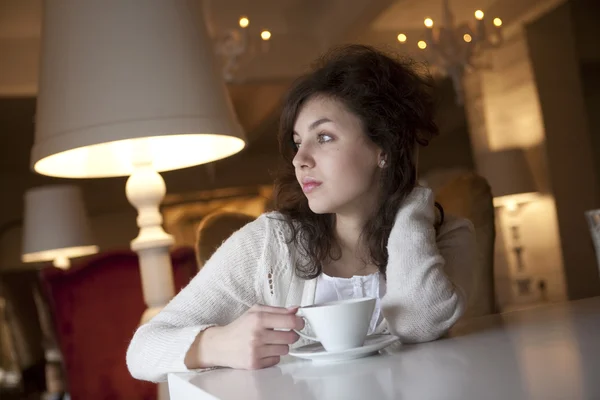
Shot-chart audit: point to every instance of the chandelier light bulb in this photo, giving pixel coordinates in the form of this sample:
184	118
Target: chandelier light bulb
467	38
244	22
429	22
497	22
479	15
402	38
265	35
422	44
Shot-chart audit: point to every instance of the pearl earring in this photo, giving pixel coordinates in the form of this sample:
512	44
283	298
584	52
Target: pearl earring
381	163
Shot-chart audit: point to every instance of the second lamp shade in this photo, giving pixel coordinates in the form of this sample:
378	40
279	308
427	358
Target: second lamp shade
56	225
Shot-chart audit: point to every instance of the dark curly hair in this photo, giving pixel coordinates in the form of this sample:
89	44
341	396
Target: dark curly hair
394	101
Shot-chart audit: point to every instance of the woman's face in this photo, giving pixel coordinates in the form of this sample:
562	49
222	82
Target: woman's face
336	163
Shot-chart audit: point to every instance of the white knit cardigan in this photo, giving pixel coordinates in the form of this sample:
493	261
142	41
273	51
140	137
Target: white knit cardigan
256	266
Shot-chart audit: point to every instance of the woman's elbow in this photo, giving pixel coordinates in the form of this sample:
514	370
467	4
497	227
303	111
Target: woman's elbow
136	361
420	327
420	334
133	365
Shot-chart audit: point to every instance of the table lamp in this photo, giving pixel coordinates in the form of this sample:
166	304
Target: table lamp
55	226
509	176
130	88
512	183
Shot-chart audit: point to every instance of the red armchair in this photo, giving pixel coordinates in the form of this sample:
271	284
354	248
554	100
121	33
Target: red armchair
96	307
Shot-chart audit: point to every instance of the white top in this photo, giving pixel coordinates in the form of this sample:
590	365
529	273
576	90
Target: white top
257	265
544	353
331	288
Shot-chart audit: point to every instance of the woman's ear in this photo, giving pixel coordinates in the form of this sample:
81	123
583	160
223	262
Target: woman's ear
382	160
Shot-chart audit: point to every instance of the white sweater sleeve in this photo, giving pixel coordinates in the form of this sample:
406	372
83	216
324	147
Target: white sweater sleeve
421	302
228	284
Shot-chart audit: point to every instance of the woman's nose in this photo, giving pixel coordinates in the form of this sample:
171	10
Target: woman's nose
303	158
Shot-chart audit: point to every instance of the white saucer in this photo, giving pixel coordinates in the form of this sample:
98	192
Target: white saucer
316	352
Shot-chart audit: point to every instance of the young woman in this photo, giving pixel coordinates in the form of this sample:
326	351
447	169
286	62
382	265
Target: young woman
350	222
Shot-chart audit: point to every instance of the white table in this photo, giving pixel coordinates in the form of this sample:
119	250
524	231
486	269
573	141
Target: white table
551	352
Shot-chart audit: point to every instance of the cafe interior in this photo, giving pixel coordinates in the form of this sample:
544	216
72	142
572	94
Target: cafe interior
105	213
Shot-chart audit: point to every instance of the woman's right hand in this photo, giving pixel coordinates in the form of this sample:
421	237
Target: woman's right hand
249	342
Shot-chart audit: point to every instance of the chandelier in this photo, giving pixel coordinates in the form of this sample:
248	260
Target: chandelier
239	45
453	49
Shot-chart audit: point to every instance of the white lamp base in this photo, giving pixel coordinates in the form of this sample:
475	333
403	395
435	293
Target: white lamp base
145	190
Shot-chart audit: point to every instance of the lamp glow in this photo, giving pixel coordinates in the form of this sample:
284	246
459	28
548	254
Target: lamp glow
428	22
244	22
422	44
265	35
479	15
118	158
402	38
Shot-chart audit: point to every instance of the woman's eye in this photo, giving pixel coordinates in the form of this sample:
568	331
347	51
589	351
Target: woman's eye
324	138
297	145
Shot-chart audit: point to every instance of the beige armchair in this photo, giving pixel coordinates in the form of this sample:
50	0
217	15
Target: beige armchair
465	194
214	229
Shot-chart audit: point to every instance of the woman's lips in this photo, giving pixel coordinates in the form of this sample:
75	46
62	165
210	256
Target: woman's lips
309	187
309	184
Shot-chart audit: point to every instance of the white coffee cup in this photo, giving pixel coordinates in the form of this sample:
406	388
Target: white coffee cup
339	325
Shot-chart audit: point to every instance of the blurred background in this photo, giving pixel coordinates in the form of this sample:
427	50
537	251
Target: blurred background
518	92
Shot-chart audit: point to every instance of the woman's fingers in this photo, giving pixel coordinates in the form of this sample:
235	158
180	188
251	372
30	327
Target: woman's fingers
268	361
265	333
267	320
279	337
273	350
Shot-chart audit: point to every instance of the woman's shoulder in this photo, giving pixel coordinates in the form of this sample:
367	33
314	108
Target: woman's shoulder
273	220
271	225
262	239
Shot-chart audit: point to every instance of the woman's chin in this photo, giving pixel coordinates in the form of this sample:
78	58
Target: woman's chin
319	208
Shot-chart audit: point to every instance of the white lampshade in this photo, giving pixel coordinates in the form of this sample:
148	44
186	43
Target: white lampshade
123	81
56	226
509	176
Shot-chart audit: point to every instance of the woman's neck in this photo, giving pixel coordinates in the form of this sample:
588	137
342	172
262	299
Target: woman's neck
354	257
351	219
348	232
